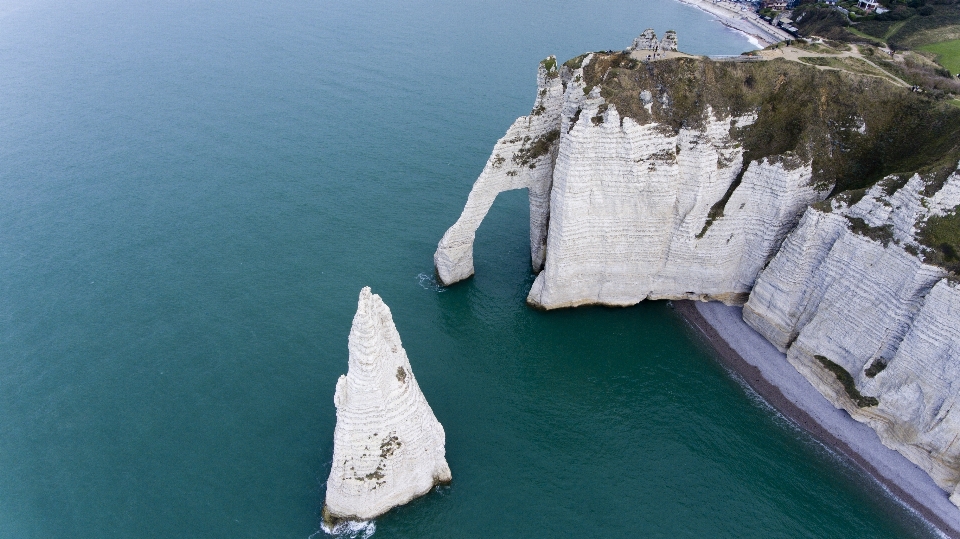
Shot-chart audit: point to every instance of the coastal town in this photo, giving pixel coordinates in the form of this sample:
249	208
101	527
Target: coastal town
914	43
764	21
871	21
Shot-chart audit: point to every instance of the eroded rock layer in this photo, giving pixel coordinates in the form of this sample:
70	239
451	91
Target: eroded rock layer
680	178
630	204
859	313
388	447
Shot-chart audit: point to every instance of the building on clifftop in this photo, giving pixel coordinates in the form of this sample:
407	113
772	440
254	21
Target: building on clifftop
655	50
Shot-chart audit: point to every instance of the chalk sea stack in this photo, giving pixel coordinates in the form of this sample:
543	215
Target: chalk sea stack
388	447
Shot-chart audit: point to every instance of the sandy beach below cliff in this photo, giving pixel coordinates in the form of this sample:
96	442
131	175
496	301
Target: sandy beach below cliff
748	22
767	371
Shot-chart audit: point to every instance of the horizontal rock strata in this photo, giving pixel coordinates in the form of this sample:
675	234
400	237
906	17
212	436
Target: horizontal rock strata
873	327
388	447
629	205
522	159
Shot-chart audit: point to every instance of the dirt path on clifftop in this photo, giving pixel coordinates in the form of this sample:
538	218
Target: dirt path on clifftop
794	54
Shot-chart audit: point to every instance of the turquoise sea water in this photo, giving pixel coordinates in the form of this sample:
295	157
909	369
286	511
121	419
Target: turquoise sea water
192	195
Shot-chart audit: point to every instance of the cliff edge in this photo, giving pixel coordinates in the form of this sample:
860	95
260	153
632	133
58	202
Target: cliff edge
679	178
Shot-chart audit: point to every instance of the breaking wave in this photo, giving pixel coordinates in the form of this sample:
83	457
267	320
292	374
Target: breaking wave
429	282
349	529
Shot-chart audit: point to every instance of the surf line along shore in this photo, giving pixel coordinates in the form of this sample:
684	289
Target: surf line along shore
731	15
767	371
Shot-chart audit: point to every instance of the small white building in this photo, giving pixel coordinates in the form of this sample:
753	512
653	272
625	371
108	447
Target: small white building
868	5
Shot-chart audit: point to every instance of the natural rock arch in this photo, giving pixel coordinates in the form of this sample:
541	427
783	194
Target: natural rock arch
522	159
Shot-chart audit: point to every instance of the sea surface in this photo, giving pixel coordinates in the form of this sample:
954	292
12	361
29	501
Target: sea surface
192	195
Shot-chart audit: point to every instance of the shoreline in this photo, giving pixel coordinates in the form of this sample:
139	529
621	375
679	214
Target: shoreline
754	29
767	371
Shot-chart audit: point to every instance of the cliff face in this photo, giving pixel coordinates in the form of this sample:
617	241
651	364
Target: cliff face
680	178
874	328
629	204
388	447
829	202
919	389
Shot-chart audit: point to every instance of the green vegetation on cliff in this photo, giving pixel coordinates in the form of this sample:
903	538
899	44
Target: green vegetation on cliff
826	22
855	65
947	54
930	27
847	382
909	24
943	235
855	129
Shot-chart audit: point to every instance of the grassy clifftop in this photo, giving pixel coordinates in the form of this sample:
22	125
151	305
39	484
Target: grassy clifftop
930	28
856	129
907	24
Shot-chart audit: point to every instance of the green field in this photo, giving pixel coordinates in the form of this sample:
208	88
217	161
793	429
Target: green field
948	54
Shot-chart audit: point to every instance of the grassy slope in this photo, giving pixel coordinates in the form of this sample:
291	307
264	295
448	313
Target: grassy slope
903	28
866	37
804	114
948	54
810	112
941	23
813	20
892	29
943	234
855	65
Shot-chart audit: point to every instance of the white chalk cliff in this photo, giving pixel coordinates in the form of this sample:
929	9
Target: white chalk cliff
522	159
388	447
626	203
870	305
626	206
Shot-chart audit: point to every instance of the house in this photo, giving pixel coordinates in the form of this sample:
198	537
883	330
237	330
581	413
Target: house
775	5
868	5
